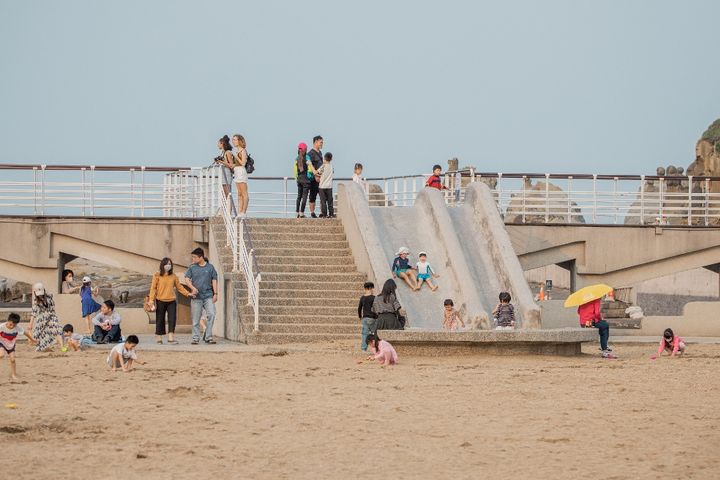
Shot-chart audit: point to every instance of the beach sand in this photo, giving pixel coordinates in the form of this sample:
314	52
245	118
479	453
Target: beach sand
318	414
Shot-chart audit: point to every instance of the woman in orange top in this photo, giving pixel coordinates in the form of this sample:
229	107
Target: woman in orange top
162	300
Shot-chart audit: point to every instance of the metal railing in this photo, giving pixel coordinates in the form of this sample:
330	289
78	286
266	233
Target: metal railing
73	190
238	239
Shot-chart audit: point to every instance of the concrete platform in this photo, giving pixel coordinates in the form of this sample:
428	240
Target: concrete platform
562	342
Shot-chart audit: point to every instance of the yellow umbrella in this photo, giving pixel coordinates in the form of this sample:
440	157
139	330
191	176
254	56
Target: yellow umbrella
587	294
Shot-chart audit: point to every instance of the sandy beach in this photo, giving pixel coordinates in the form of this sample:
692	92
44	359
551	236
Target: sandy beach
317	414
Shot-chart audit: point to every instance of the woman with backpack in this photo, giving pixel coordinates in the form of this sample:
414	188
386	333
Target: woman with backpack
304	175
240	174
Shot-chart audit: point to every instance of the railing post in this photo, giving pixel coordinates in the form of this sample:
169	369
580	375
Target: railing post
662	200
569	202
257	303
387	194
395	192
248	267
235	248
524	197
594	198
42	189
142	191
642	199
547	198
707	202
92	190
472	174
35	188
82	189
132	192
499	193
690	195
615	198
405	191
285	196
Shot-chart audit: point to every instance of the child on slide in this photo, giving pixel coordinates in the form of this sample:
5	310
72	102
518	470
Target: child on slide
425	272
401	268
671	343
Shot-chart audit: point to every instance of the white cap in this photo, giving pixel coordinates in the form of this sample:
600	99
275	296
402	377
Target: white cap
38	289
421	254
403	250
86	279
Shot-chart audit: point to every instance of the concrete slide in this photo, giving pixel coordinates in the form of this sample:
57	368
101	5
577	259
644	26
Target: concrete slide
467	245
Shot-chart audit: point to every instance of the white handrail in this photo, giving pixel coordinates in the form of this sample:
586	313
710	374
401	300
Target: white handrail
243	259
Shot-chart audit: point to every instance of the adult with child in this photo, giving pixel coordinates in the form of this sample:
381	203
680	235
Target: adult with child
107	324
227	163
316	158
387	308
44	322
9	332
240	174
202	278
304	173
401	268
162	299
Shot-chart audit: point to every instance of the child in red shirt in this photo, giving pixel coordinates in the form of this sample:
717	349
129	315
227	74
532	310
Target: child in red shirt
434	181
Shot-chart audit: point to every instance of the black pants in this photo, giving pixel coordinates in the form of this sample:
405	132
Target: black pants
165	307
314	190
326	202
604	332
113	335
303	192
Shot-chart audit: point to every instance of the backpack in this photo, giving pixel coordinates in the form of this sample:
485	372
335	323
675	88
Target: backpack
250	164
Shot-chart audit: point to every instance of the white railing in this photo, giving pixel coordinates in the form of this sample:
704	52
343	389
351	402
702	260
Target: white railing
244	261
521	198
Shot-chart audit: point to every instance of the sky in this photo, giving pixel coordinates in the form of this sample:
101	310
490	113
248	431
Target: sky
559	86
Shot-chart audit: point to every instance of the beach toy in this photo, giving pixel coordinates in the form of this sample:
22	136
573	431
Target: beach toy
11	406
63	349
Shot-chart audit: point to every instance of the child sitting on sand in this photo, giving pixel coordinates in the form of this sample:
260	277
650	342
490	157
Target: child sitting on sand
123	355
9	332
670	343
425	272
383	352
452	316
504	313
73	340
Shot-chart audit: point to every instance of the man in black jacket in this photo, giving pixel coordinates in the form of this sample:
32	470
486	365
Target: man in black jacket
316	157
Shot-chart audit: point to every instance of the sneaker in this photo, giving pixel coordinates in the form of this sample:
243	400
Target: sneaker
194	342
313	215
210	342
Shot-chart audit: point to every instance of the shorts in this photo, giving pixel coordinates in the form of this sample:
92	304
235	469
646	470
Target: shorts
423	276
314	190
6	349
401	270
226	176
240	175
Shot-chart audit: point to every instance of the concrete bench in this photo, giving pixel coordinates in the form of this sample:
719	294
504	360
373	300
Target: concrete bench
563	342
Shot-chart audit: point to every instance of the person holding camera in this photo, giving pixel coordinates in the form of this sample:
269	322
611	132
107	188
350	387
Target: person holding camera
226	162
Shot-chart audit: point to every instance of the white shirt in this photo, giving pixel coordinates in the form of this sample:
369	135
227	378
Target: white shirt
326	175
126	354
423	268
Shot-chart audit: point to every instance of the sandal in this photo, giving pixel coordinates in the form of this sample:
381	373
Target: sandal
160	342
173	342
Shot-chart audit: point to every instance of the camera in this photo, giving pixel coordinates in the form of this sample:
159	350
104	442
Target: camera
218	159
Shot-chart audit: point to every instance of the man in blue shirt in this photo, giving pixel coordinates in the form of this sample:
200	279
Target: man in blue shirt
202	279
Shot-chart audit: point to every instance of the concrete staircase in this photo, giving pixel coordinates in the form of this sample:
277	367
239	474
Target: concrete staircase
310	286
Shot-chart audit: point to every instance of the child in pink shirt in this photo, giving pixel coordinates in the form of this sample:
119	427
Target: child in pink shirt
383	351
670	343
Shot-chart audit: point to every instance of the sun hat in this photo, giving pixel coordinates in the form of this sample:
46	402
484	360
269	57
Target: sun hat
302	146
38	289
403	250
86	279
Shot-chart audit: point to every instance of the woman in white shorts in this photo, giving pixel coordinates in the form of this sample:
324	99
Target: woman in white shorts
240	174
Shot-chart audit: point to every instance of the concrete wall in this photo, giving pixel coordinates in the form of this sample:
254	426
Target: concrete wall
354	213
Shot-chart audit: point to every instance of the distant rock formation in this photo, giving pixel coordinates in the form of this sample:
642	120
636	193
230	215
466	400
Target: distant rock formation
535	205
675	207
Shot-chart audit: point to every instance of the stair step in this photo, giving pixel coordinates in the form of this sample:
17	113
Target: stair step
264	259
292	221
308	251
304	328
315	286
319	301
257	338
309	319
309	237
316	271
301	228
305	310
288	296
298	244
339	277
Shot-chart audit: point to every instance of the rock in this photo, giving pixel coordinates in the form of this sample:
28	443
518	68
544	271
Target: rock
535	202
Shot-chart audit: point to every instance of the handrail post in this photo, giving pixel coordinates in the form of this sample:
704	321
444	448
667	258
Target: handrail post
92	190
569	201
594	198
142	191
251	283
524	199
662	200
285	196
42	189
35	188
387	198
472	174
615	198
547	198
235	248
132	192
257	303
690	195
82	189
642	199
707	201
499	193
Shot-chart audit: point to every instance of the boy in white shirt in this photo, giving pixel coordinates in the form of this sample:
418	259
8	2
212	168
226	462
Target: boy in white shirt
123	355
325	187
425	272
